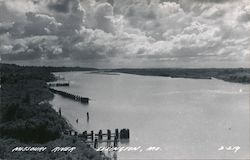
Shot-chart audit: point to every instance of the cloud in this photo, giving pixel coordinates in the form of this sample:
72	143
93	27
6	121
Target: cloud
21	6
59	5
244	14
103	16
5	27
32	48
74	20
7	15
41	24
133	32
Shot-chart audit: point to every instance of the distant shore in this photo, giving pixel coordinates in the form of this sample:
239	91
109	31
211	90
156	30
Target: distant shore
236	75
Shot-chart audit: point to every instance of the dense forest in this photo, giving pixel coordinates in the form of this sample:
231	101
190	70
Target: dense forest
25	113
27	118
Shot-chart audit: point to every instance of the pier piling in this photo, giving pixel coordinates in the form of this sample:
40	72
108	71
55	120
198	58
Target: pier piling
100	135
115	142
117	133
92	135
96	143
85	135
87	116
124	134
60	112
109	134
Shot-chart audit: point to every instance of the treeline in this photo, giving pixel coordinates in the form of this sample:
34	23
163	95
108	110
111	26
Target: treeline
31	72
25	113
239	75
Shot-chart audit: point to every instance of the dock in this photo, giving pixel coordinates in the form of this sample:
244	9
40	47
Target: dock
58	83
100	137
78	98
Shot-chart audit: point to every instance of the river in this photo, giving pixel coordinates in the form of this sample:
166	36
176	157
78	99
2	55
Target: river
185	118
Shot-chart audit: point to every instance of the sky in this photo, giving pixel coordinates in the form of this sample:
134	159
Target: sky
126	33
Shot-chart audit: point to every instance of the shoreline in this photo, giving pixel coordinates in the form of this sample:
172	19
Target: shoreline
114	72
28	119
235	75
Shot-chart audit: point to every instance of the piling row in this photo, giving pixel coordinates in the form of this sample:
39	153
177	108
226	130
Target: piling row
70	132
70	96
123	134
99	137
57	84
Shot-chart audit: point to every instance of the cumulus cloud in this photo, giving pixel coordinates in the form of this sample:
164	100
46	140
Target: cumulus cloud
103	17
59	5
5	27
152	33
41	24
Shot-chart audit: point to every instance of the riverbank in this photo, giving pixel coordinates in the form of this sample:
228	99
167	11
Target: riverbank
27	118
236	75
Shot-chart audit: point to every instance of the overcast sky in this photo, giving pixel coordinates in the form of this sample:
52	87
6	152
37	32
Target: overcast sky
126	33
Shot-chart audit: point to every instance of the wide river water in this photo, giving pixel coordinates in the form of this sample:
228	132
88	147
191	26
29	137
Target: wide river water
186	118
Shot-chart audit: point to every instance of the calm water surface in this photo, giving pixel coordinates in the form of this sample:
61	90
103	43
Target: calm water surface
186	118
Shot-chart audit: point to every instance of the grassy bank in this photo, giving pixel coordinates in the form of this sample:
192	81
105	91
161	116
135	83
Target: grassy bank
27	119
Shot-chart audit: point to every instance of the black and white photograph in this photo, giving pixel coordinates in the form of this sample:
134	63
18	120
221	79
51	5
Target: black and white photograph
124	79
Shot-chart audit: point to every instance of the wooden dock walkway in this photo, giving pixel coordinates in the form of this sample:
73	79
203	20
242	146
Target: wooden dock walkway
100	137
81	99
58	83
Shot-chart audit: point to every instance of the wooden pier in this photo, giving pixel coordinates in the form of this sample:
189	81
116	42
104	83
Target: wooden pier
100	137
81	99
58	83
